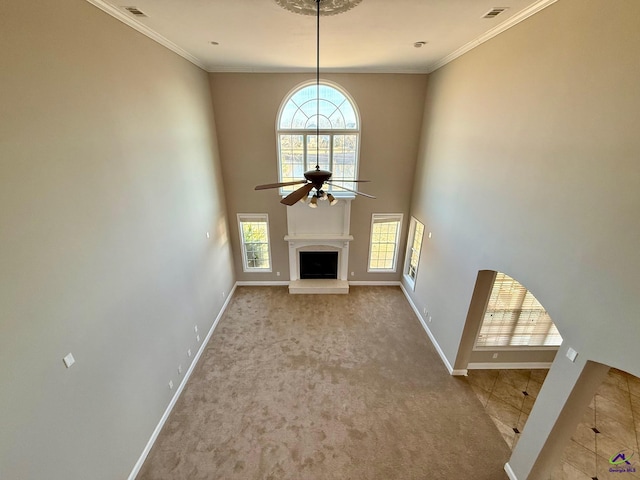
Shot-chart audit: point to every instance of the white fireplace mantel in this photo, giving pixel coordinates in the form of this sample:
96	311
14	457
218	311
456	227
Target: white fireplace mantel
325	228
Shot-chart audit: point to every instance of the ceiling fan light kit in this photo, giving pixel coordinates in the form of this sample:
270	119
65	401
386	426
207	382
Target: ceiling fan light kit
315	178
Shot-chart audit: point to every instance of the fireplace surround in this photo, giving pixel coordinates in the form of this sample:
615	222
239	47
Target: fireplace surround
323	229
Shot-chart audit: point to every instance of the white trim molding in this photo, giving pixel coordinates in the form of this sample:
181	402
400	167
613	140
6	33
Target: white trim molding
266	283
510	472
174	399
140	27
506	25
443	357
153	35
508	366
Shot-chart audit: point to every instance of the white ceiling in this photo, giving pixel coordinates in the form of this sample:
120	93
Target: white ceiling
375	36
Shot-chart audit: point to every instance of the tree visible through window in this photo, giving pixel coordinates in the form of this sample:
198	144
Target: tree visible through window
514	317
335	148
254	236
385	236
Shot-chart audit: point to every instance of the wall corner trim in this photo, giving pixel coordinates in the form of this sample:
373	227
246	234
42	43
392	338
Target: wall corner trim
143	29
431	337
174	399
510	472
506	25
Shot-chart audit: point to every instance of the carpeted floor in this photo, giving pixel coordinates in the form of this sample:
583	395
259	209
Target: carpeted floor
322	387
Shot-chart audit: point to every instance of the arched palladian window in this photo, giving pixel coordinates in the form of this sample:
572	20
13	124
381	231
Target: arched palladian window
339	132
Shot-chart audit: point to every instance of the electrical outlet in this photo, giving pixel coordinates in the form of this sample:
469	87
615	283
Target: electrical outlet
195	329
189	353
223	294
179	369
170	385
277	274
208	235
429	318
352	274
495	355
198	338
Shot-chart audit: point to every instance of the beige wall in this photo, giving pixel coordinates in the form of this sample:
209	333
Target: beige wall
529	165
246	107
109	182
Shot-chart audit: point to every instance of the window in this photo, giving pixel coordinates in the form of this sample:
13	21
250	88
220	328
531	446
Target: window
335	148
515	318
414	245
383	247
254	237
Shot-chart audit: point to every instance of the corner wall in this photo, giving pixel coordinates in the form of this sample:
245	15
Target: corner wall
529	165
110	181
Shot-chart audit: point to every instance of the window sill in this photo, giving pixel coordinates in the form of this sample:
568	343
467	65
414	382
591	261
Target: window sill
410	282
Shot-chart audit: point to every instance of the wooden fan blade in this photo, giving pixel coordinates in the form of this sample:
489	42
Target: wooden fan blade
281	184
297	195
352	191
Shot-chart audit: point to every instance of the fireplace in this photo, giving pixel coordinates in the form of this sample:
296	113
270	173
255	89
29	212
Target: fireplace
318	265
319	235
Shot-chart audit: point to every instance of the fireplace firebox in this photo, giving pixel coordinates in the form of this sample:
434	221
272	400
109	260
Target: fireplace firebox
318	265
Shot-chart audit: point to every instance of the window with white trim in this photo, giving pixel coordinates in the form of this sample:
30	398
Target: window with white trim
414	246
332	114
254	238
514	317
384	242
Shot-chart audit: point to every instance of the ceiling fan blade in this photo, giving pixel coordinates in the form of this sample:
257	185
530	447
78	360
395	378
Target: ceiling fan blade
350	181
297	195
352	191
281	184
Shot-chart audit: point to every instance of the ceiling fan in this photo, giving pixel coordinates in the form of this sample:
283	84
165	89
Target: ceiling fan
314	179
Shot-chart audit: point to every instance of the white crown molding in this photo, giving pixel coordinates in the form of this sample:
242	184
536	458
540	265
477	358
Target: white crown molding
507	24
174	399
153	35
140	27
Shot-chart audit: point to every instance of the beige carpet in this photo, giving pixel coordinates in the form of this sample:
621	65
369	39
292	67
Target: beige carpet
324	387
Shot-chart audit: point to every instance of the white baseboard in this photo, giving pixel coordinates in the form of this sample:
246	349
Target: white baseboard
246	283
510	473
508	366
174	399
431	337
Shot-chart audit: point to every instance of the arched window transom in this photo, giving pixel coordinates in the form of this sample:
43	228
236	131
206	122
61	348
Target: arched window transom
335	148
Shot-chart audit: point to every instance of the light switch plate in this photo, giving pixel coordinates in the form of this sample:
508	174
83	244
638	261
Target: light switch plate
69	360
572	354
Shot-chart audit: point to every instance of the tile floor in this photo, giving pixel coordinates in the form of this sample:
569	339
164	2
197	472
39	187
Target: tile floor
610	424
